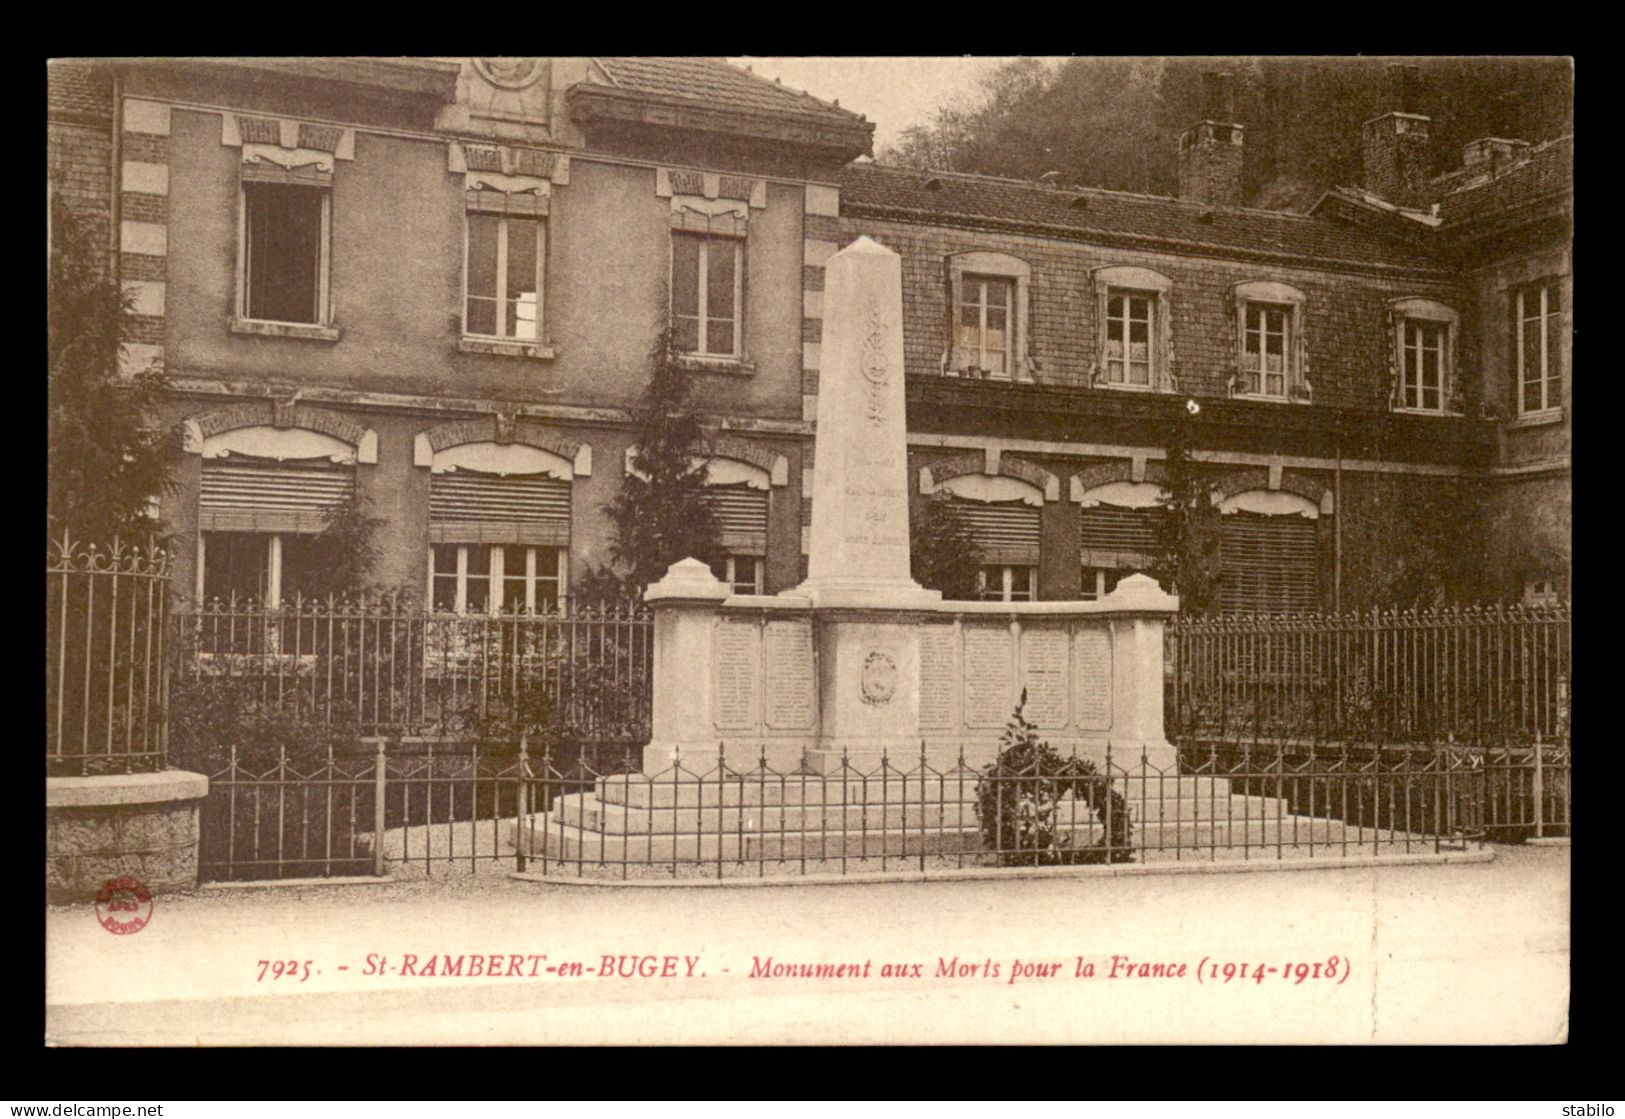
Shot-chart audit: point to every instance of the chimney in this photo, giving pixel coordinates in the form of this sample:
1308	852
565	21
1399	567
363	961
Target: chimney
1210	150
1397	160
1493	153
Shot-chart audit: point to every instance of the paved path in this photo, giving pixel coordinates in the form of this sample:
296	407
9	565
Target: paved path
1459	953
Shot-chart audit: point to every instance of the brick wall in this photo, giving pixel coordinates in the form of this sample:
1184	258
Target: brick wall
1346	319
79	144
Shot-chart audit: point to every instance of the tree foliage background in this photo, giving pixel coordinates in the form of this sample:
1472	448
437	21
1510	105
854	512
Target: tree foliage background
942	553
106	455
660	514
1114	122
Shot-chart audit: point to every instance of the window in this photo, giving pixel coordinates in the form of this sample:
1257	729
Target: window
707	281
743	574
285	256
268	568
1266	349
1271	361
1422	350
1098	582
982	336
496	578
1130	334
1006	583
504	277
1537	337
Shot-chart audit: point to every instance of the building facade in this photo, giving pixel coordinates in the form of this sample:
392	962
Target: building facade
437	284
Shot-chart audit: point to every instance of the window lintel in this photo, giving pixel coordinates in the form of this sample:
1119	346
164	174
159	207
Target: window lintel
1132	278
1267	291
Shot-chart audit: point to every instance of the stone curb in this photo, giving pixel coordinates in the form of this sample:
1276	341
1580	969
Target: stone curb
991	873
274	882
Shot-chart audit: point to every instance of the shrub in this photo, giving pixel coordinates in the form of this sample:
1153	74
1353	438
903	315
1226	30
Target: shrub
1019	797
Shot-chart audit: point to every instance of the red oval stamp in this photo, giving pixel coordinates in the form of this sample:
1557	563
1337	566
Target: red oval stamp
123	906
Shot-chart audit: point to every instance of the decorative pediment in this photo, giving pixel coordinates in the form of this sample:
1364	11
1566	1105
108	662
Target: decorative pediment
280	430
507	171
731	462
1270	503
286	144
500	431
705	200
1034	480
1127	471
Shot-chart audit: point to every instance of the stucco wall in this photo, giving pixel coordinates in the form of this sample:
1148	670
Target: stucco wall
396	276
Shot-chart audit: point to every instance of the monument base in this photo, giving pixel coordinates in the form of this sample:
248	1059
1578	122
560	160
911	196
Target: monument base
856	823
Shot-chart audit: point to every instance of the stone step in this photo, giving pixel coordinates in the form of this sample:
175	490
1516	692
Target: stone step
636	791
587	811
563	840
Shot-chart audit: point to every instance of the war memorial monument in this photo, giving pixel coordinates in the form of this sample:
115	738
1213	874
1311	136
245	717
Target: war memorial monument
860	670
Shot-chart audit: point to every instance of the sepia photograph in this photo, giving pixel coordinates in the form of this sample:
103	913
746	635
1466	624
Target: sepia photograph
588	551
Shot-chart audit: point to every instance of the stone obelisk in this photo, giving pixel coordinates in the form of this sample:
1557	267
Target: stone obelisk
864	599
859	551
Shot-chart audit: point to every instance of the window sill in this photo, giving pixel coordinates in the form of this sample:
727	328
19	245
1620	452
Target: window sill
1537	419
1260	398
995	378
309	331
533	350
1440	412
730	366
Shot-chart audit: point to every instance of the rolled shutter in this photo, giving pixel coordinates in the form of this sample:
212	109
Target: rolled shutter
240	494
1115	536
1004	531
741	515
468	507
1268	564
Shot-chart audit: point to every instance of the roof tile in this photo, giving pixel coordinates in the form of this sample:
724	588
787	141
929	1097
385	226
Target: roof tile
715	82
1082	211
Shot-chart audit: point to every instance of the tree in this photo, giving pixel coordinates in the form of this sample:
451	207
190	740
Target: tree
107	457
1188	530
1409	546
1114	122
344	553
660	514
942	554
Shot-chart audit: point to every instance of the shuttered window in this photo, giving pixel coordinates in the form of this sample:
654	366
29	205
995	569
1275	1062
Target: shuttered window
1267	564
469	507
1005	532
1117	536
741	515
244	494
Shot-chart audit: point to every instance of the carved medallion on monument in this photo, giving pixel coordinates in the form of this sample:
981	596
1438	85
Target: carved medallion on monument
878	679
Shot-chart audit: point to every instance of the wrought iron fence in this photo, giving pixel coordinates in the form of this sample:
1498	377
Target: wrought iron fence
386	667
390	809
1449	674
1491	681
106	662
